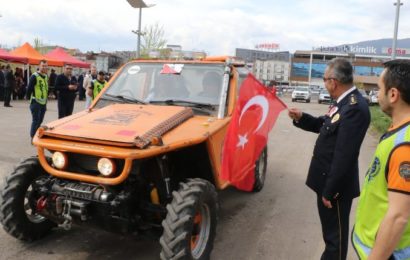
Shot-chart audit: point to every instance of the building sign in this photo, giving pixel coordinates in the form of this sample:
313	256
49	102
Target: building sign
349	49
269	46
399	51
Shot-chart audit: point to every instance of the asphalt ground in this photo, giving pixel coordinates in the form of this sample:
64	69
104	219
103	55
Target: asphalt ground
280	222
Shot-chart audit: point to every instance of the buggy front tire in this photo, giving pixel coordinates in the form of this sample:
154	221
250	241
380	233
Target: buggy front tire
18	202
190	225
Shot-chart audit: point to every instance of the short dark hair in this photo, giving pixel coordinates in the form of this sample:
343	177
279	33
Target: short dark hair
397	75
68	64
342	70
102	73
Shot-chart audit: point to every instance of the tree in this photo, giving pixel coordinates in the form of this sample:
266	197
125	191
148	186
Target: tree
37	44
152	39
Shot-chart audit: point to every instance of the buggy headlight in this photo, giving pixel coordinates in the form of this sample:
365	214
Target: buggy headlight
106	166
60	160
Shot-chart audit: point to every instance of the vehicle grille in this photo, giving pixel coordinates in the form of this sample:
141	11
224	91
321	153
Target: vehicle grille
81	163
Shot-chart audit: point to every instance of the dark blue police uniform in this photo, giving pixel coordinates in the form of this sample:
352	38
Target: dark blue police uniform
334	170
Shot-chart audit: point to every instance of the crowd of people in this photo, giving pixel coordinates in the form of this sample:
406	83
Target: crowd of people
14	84
42	85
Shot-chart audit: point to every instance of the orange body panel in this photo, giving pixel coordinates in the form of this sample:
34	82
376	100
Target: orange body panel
215	146
193	131
118	123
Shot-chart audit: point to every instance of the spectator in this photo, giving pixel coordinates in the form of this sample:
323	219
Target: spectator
9	85
19	86
52	83
2	81
37	92
81	90
97	85
66	85
87	85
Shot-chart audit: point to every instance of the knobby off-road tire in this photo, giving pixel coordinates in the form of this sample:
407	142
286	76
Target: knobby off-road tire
260	170
18	202
190	225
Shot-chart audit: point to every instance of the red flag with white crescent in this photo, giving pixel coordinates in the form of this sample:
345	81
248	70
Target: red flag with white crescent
255	114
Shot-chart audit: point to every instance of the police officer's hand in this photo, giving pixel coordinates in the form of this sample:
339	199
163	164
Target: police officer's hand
294	113
327	203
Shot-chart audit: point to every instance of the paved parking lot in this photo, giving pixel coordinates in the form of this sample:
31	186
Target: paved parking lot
280	222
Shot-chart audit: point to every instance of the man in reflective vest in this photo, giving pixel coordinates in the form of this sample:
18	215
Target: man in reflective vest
97	85
37	92
381	230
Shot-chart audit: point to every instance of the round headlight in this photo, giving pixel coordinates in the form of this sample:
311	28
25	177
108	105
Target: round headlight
59	160
106	166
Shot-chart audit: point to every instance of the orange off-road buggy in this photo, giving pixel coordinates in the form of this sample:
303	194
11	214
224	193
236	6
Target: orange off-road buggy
146	157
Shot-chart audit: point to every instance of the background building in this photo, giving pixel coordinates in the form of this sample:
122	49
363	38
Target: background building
308	67
108	62
250	56
272	70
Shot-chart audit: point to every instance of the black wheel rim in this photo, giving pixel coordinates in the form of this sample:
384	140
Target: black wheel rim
30	205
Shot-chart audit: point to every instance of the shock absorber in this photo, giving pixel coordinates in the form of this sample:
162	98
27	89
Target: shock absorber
164	169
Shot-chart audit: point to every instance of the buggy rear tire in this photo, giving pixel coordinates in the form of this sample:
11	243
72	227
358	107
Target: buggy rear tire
261	166
190	225
18	202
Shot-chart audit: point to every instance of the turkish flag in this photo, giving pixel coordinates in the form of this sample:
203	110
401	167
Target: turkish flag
254	116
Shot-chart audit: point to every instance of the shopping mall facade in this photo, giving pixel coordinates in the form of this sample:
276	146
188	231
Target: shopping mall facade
308	67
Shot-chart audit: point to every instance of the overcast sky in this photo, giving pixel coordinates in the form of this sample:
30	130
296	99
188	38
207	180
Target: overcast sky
215	26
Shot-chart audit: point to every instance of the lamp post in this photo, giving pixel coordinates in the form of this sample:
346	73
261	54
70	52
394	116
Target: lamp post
139	4
396	27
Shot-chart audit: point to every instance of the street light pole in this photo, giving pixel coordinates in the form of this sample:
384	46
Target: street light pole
139	4
396	27
139	35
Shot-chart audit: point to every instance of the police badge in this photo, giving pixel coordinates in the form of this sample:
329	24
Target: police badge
353	99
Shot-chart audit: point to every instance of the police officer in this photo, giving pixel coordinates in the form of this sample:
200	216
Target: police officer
381	230
37	91
97	85
333	172
66	85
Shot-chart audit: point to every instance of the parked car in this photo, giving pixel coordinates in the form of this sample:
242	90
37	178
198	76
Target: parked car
301	93
364	94
315	89
373	97
324	97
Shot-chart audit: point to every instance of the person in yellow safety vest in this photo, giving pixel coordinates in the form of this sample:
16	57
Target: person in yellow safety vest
382	230
37	92
96	85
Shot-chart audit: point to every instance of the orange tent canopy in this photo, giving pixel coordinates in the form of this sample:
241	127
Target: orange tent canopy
4	55
33	57
59	54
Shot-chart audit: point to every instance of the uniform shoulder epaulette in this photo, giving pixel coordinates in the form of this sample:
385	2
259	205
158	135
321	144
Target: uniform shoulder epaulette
353	99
